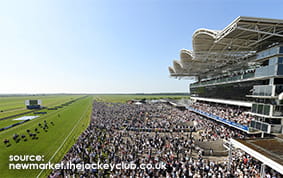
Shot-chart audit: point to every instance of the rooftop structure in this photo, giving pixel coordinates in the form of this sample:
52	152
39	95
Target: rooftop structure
216	52
239	65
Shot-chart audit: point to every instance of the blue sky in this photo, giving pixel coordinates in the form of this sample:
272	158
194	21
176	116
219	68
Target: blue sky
107	46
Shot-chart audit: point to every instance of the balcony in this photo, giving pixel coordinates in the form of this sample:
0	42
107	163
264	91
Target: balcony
267	53
266	71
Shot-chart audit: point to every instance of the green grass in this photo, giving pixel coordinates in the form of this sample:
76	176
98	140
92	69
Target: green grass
10	105
121	98
74	117
12	112
15	102
7	122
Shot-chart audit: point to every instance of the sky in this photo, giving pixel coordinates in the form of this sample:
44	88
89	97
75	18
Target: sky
107	46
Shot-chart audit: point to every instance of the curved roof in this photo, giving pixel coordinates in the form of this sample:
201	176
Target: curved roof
203	39
178	67
171	70
215	51
186	56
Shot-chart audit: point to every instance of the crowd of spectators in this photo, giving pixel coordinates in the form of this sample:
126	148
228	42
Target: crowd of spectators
107	140
235	114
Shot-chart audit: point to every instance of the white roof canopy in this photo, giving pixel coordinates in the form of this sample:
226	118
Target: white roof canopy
215	51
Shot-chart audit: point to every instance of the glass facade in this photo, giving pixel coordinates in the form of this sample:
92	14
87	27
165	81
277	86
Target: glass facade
225	79
271	67
233	91
271	61
262	90
278	89
259	125
261	108
264	109
248	75
280	60
280	69
278	111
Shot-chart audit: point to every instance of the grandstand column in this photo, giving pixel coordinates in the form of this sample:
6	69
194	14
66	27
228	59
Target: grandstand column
262	171
271	81
271	110
262	134
273	93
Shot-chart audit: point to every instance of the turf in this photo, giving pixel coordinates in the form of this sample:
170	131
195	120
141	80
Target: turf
69	122
122	98
74	117
14	105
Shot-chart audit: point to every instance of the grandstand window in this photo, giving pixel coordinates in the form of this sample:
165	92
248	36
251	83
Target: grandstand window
280	60
263	90
260	109
258	125
265	101
281	50
276	121
264	127
265	82
278	89
268	90
266	63
278	81
254	108
256	90
278	111
266	109
252	124
280	69
248	75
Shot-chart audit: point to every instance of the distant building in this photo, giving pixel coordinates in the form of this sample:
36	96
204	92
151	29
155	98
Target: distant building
33	104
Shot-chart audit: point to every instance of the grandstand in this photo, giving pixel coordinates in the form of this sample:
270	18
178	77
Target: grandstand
241	65
246	61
